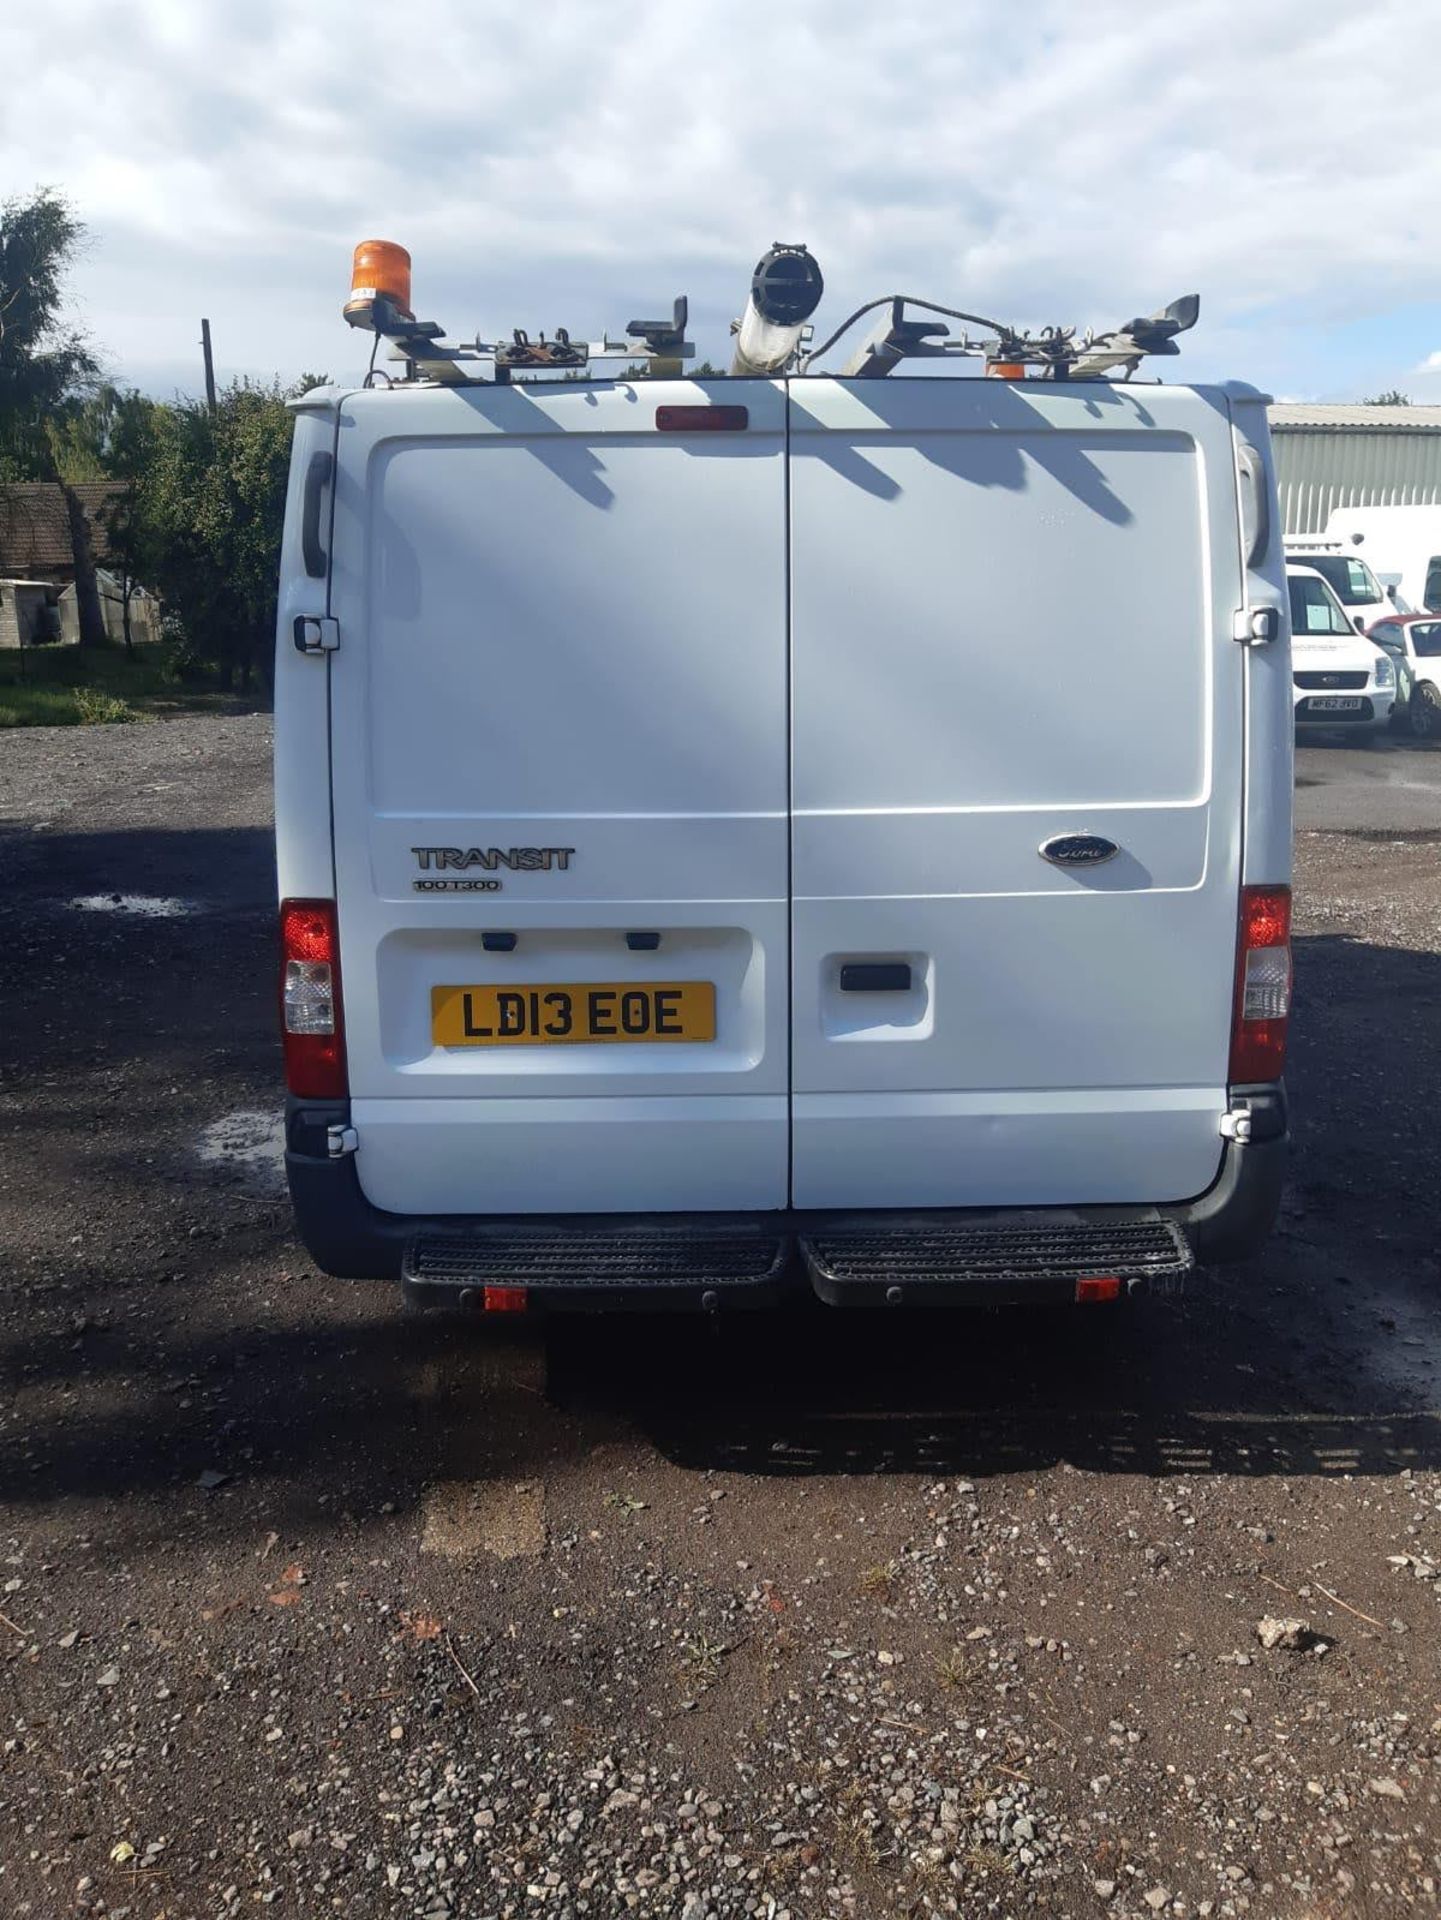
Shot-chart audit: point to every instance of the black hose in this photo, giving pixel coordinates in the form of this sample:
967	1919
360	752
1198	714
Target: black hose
906	299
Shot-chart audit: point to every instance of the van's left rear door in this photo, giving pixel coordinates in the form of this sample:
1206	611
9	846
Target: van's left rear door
558	713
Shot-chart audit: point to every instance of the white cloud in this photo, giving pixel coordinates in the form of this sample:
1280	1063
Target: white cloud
1431	364
1056	163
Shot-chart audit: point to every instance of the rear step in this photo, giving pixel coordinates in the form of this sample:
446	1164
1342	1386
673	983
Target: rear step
512	1269
1024	1259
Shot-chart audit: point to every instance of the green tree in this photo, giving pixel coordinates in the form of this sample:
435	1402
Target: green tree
645	370
46	367
1392	397
111	436
205	527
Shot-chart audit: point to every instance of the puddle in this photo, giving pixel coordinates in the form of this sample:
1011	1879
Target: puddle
148	906
249	1146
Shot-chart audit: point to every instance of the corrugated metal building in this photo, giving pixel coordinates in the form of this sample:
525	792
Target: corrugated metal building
1354	457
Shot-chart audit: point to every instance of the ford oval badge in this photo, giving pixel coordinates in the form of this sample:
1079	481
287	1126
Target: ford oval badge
1078	850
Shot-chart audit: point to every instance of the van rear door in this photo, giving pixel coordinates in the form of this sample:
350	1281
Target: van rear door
558	746
1012	629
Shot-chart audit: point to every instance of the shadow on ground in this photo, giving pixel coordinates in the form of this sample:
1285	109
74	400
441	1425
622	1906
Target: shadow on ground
1291	1365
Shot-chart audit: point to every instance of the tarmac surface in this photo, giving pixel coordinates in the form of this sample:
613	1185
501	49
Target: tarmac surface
312	1605
1384	784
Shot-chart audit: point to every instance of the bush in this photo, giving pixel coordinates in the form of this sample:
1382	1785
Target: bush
182	658
205	528
97	709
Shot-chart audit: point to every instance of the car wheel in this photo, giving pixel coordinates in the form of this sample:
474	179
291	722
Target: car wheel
1424	712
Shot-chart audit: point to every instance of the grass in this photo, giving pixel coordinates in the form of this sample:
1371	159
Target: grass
953	1669
703	1656
878	1583
65	686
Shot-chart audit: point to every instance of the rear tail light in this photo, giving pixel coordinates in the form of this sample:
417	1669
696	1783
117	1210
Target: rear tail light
1263	985
310	1007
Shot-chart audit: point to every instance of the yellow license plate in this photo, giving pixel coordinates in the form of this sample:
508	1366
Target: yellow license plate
591	1012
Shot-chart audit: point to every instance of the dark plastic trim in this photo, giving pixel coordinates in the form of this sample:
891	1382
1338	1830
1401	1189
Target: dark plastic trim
876	976
347	1237
317	479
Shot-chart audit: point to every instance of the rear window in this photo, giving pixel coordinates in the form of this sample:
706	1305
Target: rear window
1313	609
1426	639
1352	581
1432	595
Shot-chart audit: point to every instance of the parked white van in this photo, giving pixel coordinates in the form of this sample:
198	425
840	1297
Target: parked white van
1402	547
1339	677
1348	576
755	833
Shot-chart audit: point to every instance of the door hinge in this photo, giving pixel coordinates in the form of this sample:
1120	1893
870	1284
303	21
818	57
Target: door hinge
316	633
1256	626
1236	1125
340	1141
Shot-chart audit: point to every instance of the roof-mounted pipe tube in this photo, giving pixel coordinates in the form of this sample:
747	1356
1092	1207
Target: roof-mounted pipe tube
786	289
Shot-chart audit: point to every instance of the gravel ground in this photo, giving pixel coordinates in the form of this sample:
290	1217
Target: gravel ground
310	1605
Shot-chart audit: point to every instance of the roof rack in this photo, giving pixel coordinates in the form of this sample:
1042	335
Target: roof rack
1058	351
772	334
421	346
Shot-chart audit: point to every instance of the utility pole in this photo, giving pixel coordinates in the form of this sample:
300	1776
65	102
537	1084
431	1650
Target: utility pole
209	365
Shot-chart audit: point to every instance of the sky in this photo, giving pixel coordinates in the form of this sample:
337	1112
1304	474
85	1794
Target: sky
577	165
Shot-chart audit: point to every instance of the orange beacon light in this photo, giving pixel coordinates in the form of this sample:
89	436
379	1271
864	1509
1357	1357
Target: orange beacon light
381	270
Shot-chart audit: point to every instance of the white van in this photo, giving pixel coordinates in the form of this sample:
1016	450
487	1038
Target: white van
738	835
1347	575
1402	547
1339	677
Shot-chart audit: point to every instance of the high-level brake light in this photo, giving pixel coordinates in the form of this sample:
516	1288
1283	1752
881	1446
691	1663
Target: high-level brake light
702	419
1263	985
310	1000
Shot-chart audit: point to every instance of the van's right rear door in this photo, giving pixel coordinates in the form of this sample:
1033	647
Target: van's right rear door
1012	616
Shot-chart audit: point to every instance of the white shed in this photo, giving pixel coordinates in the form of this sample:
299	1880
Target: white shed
1354	456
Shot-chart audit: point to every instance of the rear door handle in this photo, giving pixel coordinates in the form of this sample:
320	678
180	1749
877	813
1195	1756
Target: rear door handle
317	478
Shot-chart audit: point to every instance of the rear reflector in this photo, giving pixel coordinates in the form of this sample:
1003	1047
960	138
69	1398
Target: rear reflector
702	419
1098	1286
503	1299
1263	985
310	1011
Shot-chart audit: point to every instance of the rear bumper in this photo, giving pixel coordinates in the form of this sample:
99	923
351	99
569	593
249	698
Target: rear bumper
348	1237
